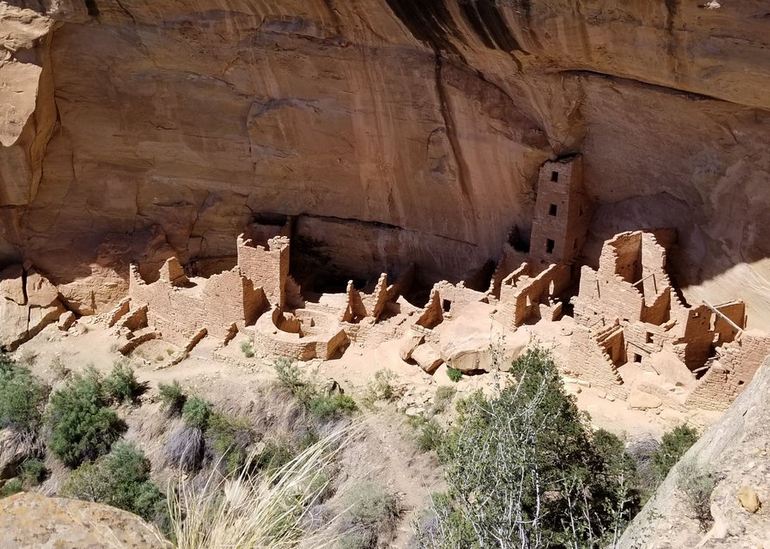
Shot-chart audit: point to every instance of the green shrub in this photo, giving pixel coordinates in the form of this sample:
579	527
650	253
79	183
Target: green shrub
331	407
697	486
229	439
274	455
12	486
121	479
454	374
247	349
370	518
21	397
32	472
672	447
290	376
430	435
82	427
196	412
443	398
121	384
172	397
526	468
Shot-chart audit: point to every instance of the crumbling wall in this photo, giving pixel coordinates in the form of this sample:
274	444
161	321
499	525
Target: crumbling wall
179	308
590	361
510	261
521	295
361	305
734	368
432	314
317	335
603	300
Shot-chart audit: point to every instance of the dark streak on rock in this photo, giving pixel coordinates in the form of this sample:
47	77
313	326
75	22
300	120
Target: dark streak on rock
429	21
463	174
672	8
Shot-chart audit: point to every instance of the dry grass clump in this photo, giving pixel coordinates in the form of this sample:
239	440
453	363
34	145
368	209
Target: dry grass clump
254	510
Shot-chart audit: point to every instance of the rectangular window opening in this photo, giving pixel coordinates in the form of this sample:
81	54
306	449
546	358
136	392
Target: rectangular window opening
554	176
549	246
637	358
649	337
552	209
446	305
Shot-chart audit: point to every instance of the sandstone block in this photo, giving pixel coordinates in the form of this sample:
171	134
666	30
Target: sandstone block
427	357
409	343
66	320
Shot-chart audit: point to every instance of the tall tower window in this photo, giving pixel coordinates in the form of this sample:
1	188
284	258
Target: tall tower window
552	209
549	245
554	176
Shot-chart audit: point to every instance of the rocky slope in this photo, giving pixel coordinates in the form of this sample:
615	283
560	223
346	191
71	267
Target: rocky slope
735	451
396	130
32	520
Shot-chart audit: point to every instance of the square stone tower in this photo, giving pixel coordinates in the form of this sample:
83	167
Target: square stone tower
562	212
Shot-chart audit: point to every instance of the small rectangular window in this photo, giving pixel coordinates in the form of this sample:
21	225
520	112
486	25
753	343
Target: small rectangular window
637	358
549	246
554	176
552	209
446	305
649	337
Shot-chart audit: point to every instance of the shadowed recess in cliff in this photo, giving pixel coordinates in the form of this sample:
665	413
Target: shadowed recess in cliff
431	22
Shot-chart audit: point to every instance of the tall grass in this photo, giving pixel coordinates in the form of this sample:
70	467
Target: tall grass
254	510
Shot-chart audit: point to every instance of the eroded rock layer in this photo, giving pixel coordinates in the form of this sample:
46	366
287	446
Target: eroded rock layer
135	130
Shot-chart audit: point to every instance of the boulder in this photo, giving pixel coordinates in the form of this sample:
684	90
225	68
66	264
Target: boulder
749	499
427	357
66	320
409	342
33	520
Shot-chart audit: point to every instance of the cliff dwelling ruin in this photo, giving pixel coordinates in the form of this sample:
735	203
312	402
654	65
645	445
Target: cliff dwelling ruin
627	327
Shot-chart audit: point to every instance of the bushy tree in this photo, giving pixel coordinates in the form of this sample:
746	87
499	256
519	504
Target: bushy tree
121	384
21	397
525	470
196	412
82	426
672	447
121	479
173	398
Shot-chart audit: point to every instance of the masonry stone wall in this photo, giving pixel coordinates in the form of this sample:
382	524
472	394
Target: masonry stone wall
562	216
522	295
267	267
309	335
589	360
731	372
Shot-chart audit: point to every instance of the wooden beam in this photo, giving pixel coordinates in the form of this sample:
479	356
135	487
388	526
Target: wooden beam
723	316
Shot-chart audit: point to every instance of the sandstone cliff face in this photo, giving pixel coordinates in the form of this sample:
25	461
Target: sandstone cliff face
396	130
735	451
